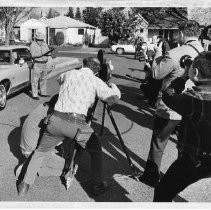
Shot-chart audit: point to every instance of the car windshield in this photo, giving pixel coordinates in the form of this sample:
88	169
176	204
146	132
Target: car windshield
4	56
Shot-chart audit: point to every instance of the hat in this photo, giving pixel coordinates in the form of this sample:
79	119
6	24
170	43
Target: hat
40	36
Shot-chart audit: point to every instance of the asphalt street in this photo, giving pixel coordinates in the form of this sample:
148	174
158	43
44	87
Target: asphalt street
134	119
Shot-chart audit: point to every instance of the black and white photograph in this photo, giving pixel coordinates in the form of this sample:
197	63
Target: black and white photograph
105	104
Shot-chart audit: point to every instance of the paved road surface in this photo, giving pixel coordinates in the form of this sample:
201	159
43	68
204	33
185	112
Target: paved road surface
134	119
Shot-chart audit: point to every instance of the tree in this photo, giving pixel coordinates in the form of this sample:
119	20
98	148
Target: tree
91	15
10	16
201	15
52	13
70	13
78	13
35	14
116	25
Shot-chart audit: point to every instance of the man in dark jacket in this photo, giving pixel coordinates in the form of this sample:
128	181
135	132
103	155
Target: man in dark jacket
168	68
194	145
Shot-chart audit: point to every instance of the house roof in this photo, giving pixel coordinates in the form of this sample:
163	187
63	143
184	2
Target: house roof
170	23
142	20
65	22
33	23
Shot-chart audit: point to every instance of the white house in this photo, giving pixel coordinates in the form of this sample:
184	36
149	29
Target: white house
28	29
72	29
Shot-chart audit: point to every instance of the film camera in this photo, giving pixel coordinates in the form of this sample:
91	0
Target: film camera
105	71
185	60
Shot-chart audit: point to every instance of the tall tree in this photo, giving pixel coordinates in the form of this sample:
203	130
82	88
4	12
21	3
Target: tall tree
91	15
35	14
78	13
70	13
201	15
52	13
116	25
10	16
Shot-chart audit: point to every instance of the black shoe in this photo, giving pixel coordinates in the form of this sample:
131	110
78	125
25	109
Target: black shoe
44	95
35	98
149	180
23	189
100	188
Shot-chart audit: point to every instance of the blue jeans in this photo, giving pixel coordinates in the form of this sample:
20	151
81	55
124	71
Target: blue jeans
57	130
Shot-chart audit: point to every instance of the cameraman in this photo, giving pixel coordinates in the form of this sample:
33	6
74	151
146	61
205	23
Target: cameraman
194	145
77	94
168	68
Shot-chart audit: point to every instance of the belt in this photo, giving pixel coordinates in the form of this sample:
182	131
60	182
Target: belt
41	62
71	117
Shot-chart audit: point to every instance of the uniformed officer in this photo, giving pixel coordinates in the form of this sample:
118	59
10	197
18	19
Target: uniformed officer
38	49
167	67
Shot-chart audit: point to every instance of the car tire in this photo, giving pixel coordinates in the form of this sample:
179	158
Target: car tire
119	51
3	96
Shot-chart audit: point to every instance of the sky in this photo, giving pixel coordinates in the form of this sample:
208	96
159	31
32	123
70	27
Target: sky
105	3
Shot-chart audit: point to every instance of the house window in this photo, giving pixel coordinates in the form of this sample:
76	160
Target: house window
80	31
52	35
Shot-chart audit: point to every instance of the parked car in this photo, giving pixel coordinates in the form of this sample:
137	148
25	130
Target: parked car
15	65
140	51
123	48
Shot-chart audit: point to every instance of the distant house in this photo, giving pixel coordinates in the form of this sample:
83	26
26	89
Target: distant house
141	27
29	28
73	30
167	29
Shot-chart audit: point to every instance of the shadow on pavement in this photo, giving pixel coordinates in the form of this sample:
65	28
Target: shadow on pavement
14	140
131	95
114	163
129	78
127	56
132	69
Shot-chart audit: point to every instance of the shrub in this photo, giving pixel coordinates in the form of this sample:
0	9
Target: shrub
59	38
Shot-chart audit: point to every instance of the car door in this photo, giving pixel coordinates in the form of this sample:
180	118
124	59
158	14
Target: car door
23	70
130	48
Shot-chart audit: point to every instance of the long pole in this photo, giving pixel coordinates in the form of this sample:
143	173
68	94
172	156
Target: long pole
121	140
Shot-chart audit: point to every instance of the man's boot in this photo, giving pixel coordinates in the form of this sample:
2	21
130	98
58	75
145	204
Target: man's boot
23	189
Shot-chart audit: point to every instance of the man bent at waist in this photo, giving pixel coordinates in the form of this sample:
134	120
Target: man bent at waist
77	94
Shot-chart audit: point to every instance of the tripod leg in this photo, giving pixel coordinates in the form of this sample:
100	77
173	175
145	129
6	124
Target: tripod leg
91	112
135	173
103	119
